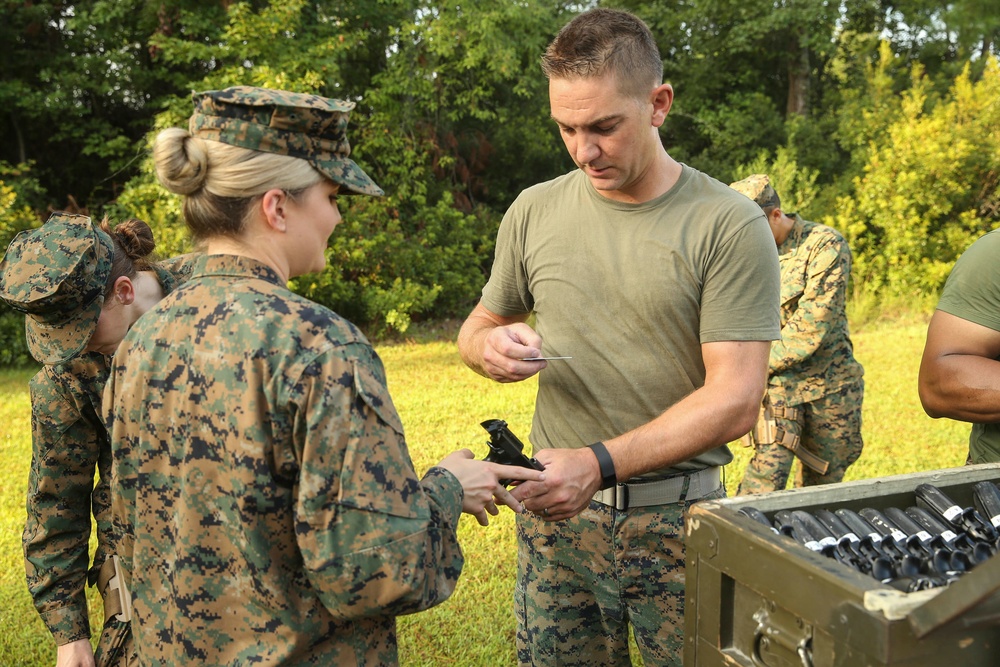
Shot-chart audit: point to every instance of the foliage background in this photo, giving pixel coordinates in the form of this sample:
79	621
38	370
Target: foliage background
879	117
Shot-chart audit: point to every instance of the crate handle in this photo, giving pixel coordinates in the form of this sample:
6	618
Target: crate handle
764	634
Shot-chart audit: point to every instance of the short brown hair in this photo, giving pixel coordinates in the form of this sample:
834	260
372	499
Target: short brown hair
606	41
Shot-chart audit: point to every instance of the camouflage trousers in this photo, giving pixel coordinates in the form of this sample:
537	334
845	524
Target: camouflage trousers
829	427
116	648
581	582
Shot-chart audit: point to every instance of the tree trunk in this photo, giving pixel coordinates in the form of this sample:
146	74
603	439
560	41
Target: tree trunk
22	156
798	80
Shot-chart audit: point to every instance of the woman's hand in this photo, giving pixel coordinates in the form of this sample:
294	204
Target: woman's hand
75	654
481	482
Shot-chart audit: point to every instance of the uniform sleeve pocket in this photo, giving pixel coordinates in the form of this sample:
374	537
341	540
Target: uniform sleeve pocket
374	392
377	473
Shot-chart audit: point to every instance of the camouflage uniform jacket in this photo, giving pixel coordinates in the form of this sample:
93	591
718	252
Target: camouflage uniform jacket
267	504
69	442
814	356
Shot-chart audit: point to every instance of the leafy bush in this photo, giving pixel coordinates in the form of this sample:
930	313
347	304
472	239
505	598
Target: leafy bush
15	216
146	199
795	185
388	266
930	188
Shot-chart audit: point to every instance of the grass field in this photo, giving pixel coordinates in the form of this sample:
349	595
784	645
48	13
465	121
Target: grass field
442	403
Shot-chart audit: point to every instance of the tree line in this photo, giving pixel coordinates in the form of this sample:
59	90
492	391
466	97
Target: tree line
878	117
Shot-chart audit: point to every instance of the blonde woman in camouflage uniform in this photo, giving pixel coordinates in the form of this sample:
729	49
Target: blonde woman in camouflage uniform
81	287
815	385
270	511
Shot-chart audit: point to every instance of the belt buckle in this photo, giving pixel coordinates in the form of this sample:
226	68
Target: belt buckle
621	497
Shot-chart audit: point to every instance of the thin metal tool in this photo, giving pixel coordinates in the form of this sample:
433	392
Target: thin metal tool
544	358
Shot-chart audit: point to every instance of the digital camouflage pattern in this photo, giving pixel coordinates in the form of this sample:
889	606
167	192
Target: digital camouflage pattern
69	442
56	275
758	188
815	357
581	582
300	125
268	506
829	427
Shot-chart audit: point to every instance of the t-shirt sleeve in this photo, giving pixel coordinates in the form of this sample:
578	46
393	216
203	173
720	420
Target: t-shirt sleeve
972	291
506	292
742	290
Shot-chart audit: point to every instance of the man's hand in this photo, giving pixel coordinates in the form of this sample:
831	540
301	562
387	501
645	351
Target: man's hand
75	654
481	482
572	477
494	346
504	348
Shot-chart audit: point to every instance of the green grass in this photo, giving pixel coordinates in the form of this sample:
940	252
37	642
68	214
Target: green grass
441	404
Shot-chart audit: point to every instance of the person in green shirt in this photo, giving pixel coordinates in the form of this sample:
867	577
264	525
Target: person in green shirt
662	285
960	367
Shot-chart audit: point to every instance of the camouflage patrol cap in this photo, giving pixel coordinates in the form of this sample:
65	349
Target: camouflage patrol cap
56	275
758	188
305	126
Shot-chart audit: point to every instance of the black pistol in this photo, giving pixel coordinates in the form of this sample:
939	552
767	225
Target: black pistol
505	448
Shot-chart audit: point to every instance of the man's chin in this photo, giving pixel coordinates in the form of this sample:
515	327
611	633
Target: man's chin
603	181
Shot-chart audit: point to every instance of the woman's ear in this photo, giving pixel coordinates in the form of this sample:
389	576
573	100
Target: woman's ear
273	205
124	290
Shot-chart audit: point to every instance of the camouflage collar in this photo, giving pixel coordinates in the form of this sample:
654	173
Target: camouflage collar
235	266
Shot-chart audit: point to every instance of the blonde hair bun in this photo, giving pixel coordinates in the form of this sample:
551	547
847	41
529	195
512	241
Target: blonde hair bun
181	161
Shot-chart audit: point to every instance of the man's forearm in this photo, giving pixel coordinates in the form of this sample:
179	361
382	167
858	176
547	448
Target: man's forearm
470	341
701	421
720	411
959	372
475	336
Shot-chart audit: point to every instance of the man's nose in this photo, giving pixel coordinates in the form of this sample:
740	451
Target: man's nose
587	149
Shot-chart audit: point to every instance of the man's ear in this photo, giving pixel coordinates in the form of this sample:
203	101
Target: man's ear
274	204
662	98
124	290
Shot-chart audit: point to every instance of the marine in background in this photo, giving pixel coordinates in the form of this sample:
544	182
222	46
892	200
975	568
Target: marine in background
815	388
80	286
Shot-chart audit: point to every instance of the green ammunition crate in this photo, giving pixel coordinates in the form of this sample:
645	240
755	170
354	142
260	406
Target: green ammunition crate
759	599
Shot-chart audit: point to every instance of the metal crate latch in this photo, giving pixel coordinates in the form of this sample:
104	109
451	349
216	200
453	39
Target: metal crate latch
781	638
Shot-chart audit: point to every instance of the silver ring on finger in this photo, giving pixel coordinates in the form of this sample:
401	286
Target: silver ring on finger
545	512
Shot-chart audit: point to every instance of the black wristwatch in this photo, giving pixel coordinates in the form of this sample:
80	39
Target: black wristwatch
608	476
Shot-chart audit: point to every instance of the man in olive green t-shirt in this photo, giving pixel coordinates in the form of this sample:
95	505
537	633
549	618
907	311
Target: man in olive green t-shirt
960	368
662	284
